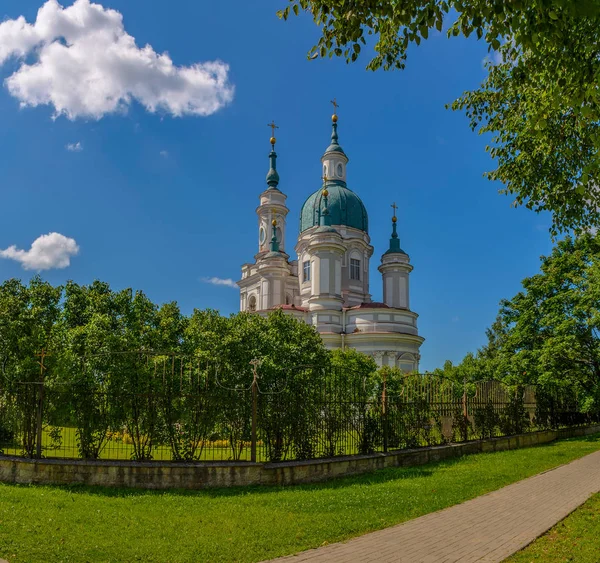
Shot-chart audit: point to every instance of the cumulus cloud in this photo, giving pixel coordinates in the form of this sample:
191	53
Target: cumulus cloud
74	147
86	65
220	281
47	252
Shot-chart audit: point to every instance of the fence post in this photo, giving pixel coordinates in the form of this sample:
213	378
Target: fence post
384	412
465	425
254	363
40	406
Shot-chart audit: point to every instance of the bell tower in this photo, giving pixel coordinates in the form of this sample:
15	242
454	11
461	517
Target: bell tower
272	205
270	281
335	160
395	269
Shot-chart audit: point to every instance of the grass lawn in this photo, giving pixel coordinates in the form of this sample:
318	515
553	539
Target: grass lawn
50	524
576	538
117	449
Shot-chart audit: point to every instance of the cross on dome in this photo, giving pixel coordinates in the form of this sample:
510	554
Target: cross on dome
273	127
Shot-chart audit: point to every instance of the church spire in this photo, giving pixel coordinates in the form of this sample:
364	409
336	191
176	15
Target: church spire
394	240
334	146
273	176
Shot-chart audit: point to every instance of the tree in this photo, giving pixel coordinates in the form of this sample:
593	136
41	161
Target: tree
292	357
552	335
540	101
352	391
28	315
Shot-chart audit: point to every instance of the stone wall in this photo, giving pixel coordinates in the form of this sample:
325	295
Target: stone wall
159	475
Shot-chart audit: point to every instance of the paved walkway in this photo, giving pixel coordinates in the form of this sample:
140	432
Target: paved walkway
488	528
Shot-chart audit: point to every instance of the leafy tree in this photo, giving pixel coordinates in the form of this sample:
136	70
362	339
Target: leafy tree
291	356
27	324
553	325
540	100
87	351
471	368
356	385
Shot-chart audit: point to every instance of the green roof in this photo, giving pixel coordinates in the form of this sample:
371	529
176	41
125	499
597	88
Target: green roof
344	206
335	145
272	176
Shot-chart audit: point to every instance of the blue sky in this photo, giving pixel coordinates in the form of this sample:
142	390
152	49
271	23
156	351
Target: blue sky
158	202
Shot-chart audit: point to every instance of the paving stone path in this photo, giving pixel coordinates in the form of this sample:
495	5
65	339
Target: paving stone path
488	528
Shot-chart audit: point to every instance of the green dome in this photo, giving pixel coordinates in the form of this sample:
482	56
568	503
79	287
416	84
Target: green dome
344	206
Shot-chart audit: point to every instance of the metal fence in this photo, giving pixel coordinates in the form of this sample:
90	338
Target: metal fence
164	407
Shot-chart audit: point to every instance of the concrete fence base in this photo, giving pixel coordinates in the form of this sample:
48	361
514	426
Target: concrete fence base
161	475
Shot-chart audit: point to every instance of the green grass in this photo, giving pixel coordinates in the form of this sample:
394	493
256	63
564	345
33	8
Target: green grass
51	524
119	450
576	538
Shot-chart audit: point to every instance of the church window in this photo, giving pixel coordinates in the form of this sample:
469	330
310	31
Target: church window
340	170
354	269
252	304
306	271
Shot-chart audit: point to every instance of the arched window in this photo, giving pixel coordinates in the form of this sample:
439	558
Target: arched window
288	299
354	269
406	362
306	271
252	304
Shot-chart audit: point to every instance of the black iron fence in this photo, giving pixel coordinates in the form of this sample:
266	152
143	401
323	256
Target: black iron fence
143	407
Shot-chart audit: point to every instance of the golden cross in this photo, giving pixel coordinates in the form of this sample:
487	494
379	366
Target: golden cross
325	179
273	127
394	206
335	106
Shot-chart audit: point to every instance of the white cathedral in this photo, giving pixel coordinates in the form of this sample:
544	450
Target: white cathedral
328	286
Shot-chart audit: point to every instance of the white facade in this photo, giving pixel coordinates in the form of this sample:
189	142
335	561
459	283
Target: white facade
328	286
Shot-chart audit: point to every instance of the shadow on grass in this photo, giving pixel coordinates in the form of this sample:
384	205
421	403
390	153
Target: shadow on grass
367	479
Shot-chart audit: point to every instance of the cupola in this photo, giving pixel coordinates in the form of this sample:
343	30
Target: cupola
344	207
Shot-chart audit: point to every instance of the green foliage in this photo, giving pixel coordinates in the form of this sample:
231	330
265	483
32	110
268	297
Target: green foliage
548	335
357	379
486	420
544	135
282	345
28	315
121	364
540	100
553	334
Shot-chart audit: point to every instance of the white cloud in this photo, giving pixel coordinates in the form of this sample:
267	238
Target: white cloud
495	58
164	154
220	281
47	252
87	65
74	147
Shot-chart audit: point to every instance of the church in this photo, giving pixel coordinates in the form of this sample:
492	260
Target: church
328	285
